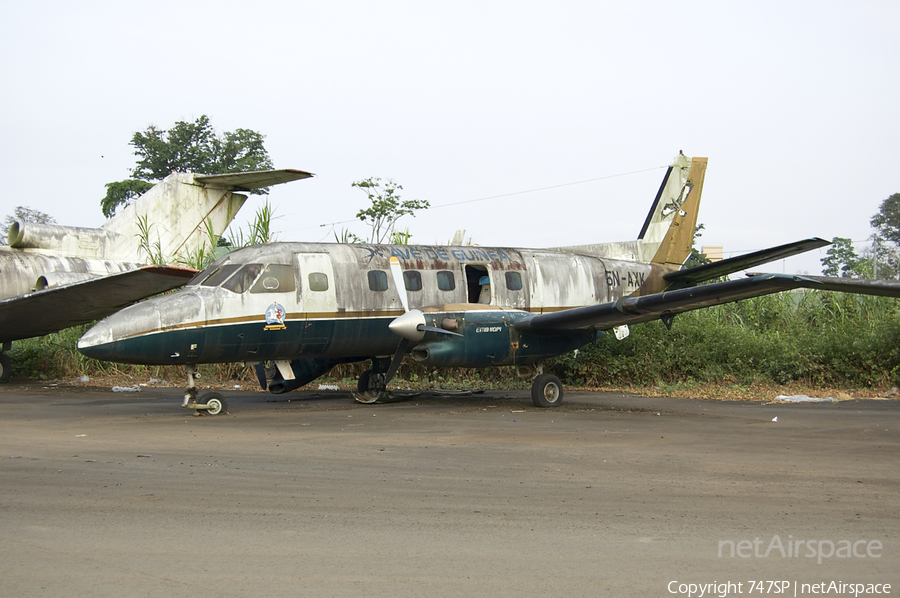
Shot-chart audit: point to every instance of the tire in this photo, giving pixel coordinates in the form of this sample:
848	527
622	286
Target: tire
365	394
5	368
547	391
216	403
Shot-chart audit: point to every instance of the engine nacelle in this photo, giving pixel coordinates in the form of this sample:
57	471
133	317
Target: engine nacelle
489	338
57	279
67	240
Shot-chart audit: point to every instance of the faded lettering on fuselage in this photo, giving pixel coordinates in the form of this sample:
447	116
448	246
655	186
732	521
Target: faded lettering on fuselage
448	253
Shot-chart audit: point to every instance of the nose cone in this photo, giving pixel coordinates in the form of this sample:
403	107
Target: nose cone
96	341
137	334
114	338
408	324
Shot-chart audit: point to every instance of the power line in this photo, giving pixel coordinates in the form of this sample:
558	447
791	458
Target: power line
465	201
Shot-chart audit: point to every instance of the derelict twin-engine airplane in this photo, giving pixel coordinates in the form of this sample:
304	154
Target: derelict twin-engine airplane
53	277
310	306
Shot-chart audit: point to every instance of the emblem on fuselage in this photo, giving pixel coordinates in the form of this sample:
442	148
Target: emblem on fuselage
275	317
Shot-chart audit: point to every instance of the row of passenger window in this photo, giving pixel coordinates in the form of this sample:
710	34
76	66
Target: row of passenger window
446	281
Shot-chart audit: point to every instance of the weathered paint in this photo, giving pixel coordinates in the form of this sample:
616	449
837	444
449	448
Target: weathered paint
180	212
346	319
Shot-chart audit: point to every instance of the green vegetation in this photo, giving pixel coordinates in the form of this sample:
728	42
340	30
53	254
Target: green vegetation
386	210
815	338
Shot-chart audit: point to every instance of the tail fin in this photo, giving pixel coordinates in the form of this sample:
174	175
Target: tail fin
668	231
183	209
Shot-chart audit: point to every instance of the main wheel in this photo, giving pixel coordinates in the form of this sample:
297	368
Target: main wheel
216	403
367	388
546	391
5	368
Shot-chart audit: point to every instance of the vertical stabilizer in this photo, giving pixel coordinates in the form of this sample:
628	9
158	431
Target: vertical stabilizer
668	232
179	213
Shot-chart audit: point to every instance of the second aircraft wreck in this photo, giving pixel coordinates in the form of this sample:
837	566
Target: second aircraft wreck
310	306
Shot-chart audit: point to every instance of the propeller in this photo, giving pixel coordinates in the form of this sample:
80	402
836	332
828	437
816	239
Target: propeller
410	327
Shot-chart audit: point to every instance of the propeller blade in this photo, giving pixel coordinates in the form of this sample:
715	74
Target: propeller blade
397	274
423	328
260	370
395	362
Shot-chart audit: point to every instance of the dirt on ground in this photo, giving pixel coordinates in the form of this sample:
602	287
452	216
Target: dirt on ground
108	493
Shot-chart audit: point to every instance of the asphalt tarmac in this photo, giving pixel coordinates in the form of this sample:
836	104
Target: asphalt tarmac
310	494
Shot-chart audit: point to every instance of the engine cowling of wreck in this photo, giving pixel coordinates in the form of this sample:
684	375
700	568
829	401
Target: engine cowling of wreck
50	280
72	240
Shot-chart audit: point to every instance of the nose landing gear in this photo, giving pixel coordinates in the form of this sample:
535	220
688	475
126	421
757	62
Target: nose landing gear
212	403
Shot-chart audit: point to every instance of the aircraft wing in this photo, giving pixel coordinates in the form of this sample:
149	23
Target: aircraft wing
246	181
698	274
633	309
51	310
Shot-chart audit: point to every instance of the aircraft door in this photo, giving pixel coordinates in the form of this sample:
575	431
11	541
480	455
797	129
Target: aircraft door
317	299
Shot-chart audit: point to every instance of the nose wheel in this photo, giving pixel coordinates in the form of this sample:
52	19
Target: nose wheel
212	403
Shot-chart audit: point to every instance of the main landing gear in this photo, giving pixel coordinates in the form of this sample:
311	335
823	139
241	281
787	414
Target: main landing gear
212	403
372	384
546	389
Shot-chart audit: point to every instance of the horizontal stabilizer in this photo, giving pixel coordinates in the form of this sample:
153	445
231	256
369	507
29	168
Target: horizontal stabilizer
698	274
634	310
246	181
51	310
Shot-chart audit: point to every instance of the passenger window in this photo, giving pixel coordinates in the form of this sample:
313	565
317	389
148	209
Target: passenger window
219	276
276	278
412	280
241	281
514	281
377	280
318	281
445	280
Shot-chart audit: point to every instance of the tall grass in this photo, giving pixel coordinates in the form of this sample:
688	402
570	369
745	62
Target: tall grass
813	337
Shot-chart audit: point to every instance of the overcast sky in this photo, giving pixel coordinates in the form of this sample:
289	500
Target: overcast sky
794	103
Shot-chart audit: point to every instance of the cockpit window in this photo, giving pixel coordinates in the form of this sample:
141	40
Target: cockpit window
276	278
219	275
241	281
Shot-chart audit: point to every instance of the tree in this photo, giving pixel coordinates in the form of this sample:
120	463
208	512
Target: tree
696	258
186	147
887	220
841	259
122	193
879	260
25	214
386	207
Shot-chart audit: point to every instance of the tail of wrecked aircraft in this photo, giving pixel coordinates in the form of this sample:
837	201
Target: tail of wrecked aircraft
175	218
